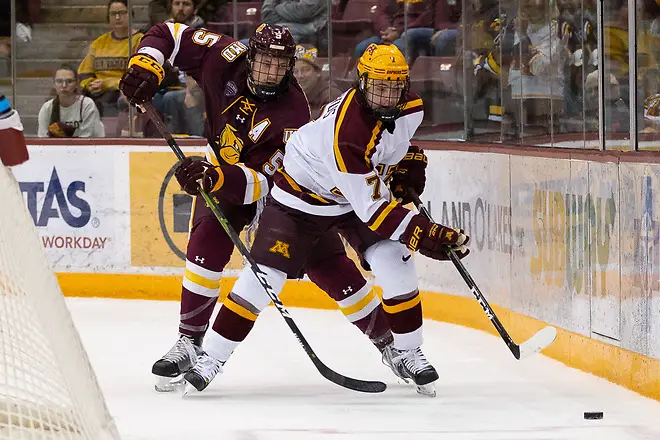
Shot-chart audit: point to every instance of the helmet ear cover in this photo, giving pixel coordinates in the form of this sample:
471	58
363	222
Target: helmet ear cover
276	41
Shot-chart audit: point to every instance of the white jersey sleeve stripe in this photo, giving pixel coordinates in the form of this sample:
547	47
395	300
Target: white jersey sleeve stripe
256	187
176	29
154	53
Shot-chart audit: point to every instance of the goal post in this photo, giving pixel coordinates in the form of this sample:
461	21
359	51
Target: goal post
48	389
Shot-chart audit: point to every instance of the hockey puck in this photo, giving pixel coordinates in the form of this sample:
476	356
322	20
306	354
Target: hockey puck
593	415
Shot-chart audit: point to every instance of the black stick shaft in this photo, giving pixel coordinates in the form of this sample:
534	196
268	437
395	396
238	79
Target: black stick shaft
333	376
481	299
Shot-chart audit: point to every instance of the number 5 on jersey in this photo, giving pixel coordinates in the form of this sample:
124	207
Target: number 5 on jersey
204	38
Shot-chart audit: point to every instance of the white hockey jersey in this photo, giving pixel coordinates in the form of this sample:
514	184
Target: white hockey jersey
342	162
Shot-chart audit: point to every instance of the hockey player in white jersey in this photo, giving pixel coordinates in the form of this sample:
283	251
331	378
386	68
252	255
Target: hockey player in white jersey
335	175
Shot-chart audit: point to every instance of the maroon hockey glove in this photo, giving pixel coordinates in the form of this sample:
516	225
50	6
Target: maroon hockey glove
432	239
191	173
410	174
140	81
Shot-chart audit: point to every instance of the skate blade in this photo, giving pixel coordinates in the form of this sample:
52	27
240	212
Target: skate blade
170	384
426	390
189	390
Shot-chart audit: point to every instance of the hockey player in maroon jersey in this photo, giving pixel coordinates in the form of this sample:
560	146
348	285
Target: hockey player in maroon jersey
334	176
253	104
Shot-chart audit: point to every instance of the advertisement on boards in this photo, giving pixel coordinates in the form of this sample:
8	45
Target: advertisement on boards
70	195
160	210
471	192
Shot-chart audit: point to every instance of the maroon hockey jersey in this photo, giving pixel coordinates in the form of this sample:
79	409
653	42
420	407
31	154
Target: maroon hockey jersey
243	131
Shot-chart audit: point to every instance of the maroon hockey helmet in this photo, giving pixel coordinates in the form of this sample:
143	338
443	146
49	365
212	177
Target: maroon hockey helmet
275	41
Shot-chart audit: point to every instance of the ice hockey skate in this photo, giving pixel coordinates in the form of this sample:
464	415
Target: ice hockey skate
411	365
171	367
201	375
397	368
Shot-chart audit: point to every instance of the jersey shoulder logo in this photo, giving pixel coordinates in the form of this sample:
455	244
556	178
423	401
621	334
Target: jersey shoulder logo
287	132
233	51
230	145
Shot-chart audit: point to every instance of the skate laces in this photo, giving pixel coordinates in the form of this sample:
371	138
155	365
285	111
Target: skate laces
414	360
182	349
208	367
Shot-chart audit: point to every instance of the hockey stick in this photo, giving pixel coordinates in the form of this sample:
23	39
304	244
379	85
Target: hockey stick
341	380
542	339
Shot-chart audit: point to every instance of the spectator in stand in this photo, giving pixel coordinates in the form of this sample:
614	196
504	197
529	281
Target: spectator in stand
191	112
616	51
447	17
389	22
69	114
106	60
27	13
179	11
208	10
304	18
171	97
319	91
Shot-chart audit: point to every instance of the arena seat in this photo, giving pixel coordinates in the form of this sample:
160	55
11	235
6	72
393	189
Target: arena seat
354	25
247	19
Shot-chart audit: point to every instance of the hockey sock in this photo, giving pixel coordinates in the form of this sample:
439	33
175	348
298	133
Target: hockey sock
234	321
404	314
196	311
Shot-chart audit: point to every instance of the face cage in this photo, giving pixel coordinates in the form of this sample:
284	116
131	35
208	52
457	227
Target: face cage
384	113
268	91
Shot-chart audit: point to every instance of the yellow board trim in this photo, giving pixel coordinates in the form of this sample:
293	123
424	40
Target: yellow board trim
340	119
382	215
359	305
412	302
201	281
634	371
239	310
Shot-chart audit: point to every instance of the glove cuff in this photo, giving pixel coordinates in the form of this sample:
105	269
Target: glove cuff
148	63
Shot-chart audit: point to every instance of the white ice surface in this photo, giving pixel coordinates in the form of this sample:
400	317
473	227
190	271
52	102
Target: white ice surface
271	391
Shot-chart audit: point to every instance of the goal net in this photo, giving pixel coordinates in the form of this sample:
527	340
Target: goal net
47	387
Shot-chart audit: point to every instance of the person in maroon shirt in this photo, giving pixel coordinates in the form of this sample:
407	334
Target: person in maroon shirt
431	26
253	104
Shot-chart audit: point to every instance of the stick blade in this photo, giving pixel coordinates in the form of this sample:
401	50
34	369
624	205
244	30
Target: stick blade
540	341
363	386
